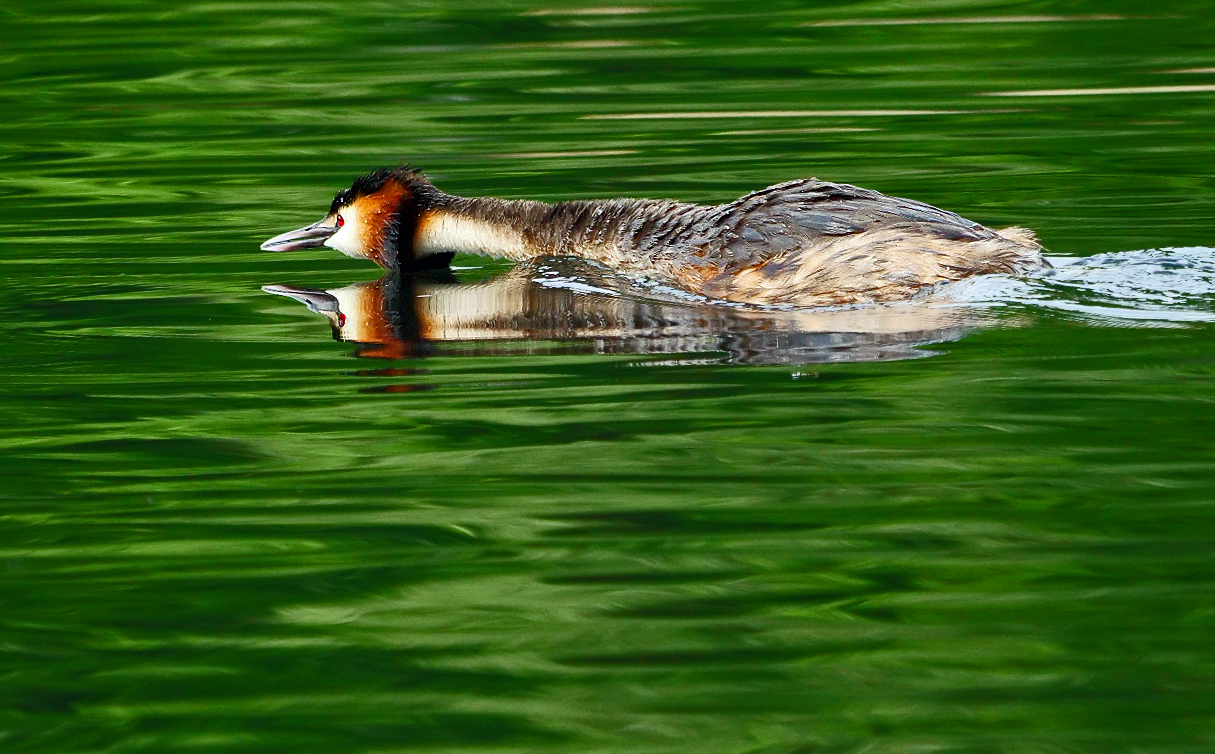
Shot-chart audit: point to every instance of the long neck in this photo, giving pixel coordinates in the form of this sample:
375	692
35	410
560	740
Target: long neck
492	227
606	230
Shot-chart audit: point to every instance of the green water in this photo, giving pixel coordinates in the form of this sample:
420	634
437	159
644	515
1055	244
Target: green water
223	530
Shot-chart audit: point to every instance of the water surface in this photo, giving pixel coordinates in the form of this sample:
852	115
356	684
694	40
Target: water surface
572	515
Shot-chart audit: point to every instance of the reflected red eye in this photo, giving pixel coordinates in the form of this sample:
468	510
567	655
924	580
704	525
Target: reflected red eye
341	221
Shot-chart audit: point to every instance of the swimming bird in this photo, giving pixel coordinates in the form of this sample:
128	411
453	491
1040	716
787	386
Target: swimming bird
804	242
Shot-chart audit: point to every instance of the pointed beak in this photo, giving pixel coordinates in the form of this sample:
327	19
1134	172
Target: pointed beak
310	237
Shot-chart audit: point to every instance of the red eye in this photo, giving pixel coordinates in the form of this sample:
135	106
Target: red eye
341	221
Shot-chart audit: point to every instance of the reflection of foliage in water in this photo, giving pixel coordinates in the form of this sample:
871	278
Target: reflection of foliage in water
220	533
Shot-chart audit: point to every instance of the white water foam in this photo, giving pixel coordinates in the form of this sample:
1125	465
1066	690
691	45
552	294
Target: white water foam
1166	287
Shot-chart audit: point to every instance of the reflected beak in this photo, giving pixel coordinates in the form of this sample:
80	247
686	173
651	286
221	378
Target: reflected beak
318	301
310	237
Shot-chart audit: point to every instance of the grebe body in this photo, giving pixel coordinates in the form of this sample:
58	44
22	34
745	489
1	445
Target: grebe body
804	242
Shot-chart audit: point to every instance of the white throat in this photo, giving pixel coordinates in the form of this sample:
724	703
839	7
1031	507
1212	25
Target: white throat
442	231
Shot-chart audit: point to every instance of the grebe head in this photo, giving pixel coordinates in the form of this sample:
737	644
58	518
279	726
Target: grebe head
373	219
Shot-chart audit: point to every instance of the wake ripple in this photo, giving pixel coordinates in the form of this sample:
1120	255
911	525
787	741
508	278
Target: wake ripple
1149	287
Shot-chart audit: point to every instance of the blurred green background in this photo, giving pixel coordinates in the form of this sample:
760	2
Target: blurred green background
221	532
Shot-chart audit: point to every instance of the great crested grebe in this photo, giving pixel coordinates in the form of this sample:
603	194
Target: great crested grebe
804	242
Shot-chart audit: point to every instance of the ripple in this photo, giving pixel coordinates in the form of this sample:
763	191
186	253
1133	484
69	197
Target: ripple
1039	19
773	114
1104	91
1152	287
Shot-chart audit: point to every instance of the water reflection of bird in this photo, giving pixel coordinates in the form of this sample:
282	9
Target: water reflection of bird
584	308
804	242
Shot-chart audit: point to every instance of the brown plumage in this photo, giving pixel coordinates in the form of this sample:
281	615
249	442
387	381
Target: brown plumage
804	242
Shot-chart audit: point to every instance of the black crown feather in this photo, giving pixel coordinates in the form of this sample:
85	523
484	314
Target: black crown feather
375	180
